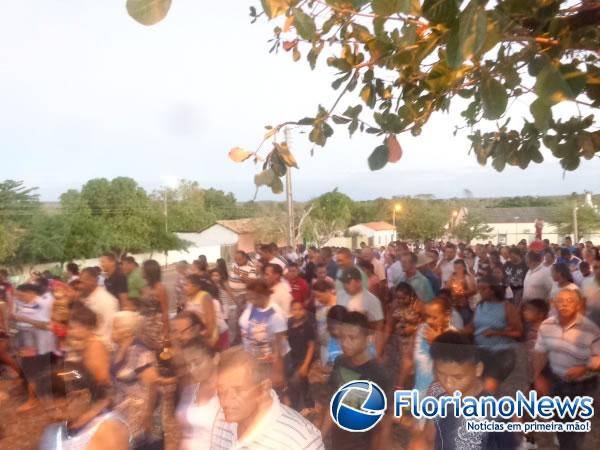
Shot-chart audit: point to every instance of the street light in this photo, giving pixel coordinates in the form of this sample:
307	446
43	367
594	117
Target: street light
397	209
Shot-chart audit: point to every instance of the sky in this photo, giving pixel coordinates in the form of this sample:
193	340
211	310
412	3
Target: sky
86	92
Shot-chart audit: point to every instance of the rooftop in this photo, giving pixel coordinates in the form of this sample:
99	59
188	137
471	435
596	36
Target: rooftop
518	215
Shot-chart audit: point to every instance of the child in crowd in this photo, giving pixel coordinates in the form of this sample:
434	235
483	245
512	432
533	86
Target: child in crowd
437	314
324	299
356	363
302	340
534	312
457	367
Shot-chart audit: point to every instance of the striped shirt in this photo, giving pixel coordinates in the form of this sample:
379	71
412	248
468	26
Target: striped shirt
570	346
237	276
281	428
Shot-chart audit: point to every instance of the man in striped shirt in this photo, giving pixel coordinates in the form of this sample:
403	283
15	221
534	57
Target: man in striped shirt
569	343
251	415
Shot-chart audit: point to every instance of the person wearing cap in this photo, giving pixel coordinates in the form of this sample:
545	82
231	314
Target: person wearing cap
424	261
355	297
416	279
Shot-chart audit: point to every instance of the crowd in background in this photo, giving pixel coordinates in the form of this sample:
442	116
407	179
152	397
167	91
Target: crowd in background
251	350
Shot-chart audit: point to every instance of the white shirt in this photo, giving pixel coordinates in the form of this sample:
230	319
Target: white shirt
378	269
259	333
446	269
395	274
105	306
538	283
363	302
40	310
280	428
282	297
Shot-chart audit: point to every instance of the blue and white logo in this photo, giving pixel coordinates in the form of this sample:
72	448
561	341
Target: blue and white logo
358	405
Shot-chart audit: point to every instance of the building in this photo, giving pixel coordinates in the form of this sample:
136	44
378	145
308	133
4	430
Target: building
374	234
511	225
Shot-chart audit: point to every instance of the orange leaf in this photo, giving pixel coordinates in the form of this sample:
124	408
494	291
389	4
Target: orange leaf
394	149
288	45
289	22
269	134
237	154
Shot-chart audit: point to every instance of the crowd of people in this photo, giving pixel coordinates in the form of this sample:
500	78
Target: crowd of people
251	351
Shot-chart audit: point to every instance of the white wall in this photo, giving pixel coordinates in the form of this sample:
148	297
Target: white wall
214	235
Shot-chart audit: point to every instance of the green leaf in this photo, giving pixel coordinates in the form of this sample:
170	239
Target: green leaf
570	163
296	54
148	12
277	186
574	77
353	111
275	8
264	178
378	158
305	25
542	114
493	97
340	120
468	36
307	121
551	86
441	11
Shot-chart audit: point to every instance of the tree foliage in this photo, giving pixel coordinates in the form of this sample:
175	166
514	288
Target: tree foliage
471	227
399	62
422	219
588	220
331	213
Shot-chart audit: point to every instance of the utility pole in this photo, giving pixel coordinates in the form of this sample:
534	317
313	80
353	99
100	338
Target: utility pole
575	226
288	195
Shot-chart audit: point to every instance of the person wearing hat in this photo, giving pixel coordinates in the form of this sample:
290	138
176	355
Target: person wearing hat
416	279
355	297
424	261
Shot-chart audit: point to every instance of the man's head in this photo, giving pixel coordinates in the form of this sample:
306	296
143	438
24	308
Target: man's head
326	254
241	258
535	310
352	280
533	260
73	269
243	384
344	258
273	273
89	281
515	255
568	303
354	337
366	254
589	245
321	272
293	271
565	253
568	241
450	251
28	292
128	264
108	262
585	269
456	363
409	262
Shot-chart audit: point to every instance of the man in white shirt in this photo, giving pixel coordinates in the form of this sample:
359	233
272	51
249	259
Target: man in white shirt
99	300
445	267
251	415
538	279
356	298
282	295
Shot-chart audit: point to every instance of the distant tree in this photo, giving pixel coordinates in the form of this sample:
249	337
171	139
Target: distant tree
472	227
371	211
19	205
525	201
220	204
331	214
588	220
422	219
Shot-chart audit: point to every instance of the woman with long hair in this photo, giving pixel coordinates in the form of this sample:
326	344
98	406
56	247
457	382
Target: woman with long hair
563	279
496	328
154	307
